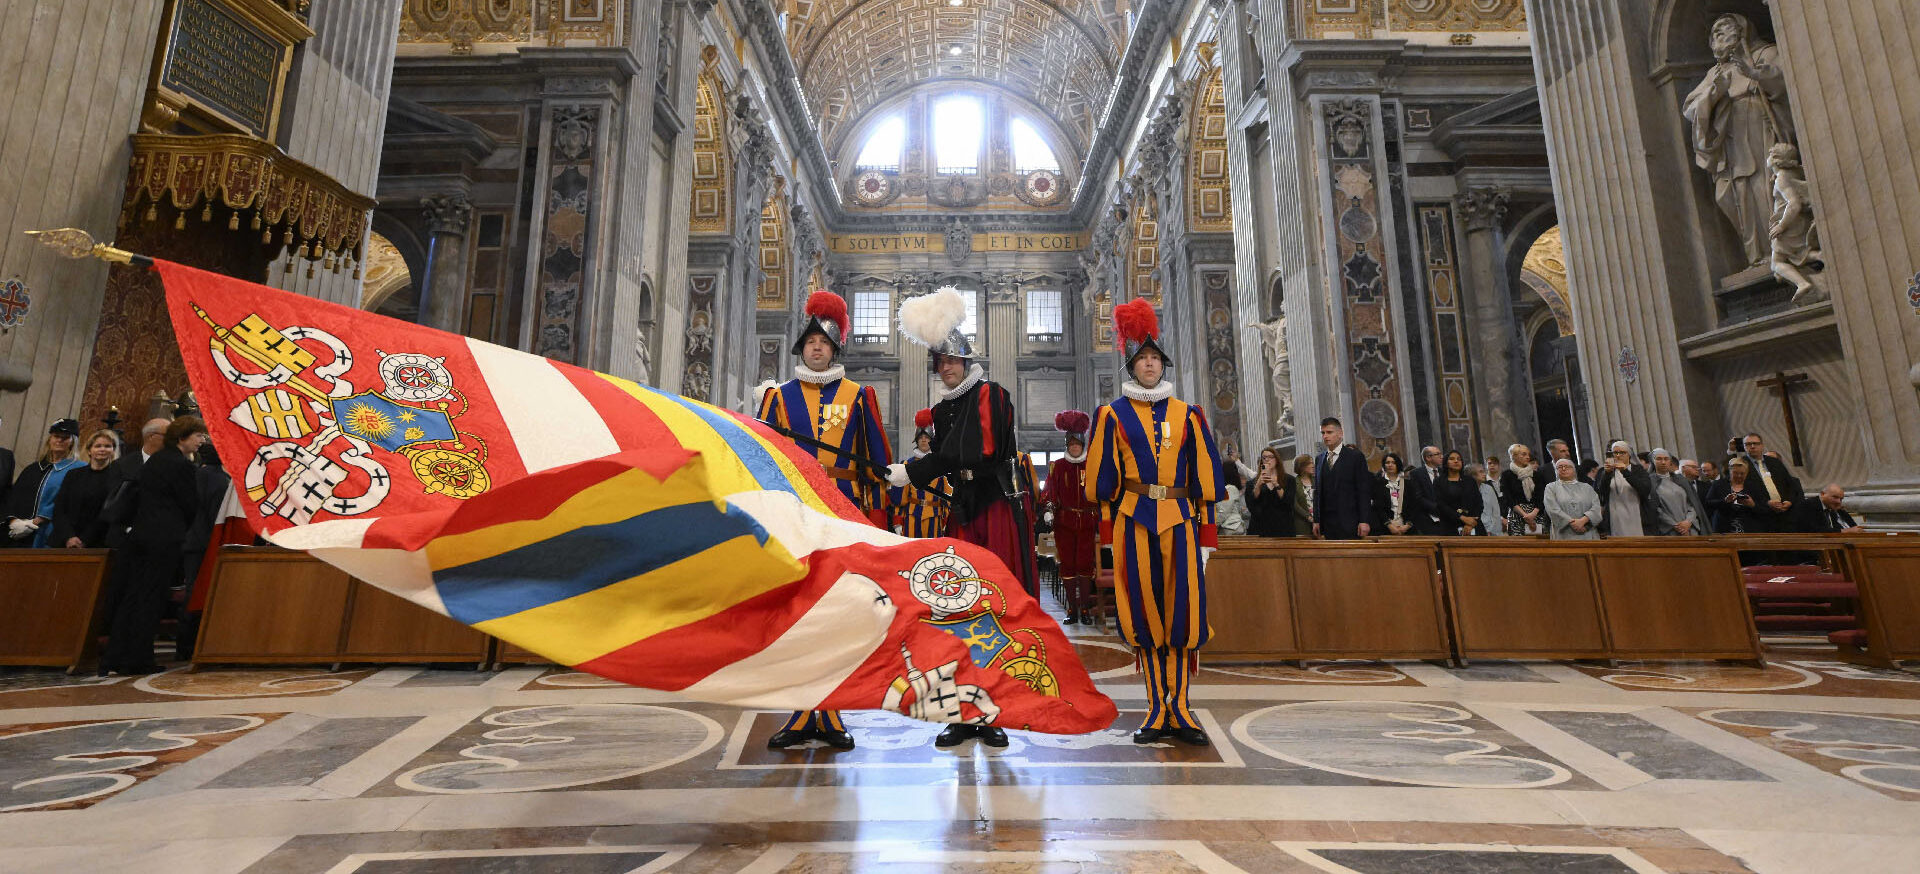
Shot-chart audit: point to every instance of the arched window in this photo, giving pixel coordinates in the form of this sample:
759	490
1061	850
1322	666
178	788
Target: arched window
959	128
1030	149
884	145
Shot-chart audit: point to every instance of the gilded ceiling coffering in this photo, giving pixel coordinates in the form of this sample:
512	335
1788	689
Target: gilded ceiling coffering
853	55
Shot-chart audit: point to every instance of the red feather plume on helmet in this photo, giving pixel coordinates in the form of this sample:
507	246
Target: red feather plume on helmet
828	307
1136	322
923	419
1071	421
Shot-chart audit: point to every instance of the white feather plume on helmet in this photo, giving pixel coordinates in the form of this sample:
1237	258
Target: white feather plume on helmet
933	320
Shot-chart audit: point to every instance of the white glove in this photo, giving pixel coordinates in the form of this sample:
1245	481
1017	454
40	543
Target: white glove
1206	552
1049	517
897	475
20	529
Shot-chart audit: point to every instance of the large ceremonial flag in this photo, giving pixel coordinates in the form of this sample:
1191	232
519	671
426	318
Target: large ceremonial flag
604	524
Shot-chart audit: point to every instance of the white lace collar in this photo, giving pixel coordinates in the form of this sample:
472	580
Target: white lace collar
818	377
974	375
1158	393
1076	459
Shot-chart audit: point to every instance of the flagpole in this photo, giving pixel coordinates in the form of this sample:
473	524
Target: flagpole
76	243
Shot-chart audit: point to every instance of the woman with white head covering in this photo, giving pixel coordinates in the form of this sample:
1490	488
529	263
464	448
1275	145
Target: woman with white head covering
1573	509
1521	485
1676	505
1624	486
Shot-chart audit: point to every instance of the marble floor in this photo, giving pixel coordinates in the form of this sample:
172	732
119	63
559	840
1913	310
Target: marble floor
1808	765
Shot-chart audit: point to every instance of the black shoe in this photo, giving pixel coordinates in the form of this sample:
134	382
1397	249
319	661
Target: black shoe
953	735
1192	737
991	736
1070	620
839	740
788	737
1145	735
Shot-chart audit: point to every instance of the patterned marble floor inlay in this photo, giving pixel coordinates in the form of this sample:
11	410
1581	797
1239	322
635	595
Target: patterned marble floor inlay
43	767
1474	860
1397	742
557	746
1653	750
1880	751
314	753
1365	767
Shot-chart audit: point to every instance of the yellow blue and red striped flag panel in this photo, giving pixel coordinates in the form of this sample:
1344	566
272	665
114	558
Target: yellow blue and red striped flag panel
602	523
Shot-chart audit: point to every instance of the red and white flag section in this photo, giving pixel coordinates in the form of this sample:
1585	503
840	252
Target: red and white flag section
606	525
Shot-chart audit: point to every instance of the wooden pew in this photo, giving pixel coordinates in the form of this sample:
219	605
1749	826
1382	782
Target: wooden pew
1887	569
51	596
275	606
1629	598
1282	599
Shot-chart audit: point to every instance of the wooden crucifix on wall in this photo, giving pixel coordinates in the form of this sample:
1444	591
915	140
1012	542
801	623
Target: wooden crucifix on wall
1785	382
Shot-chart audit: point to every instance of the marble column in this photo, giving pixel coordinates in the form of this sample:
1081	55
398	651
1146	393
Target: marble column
1001	328
1491	317
443	295
1631	267
1855	87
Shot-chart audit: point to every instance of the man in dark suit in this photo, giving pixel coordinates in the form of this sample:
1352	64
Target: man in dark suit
1421	507
126	469
1823	513
1782	490
1343	488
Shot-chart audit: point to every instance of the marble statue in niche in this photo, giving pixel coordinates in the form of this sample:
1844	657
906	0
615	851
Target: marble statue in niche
1739	113
1795	239
1273	337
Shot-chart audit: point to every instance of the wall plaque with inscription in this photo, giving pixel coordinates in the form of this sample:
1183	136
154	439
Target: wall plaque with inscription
223	65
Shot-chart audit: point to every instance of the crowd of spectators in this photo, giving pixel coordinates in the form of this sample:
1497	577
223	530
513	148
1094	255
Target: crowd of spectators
1747	490
151	504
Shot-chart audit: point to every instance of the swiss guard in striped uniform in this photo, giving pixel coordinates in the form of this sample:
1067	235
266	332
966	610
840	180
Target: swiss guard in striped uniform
973	449
920	512
1154	468
821	404
1076	520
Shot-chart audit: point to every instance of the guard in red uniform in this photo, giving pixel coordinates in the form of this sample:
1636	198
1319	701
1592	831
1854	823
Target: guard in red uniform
1076	520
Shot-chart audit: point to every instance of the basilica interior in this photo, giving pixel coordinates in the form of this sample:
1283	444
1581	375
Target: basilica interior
1467	224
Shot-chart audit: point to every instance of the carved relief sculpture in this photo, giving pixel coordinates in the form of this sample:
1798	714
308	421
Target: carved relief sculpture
1273	337
1795	240
1739	113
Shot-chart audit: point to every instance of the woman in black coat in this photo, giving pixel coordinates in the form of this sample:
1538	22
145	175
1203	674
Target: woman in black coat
1458	497
77	522
1270	498
1522	487
166	501
1738	503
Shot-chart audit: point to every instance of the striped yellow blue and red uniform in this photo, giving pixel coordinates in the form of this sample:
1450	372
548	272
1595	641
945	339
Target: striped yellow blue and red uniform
845	414
1160	584
920	512
607	525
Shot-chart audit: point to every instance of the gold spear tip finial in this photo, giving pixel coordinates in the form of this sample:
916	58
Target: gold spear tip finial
66	242
76	243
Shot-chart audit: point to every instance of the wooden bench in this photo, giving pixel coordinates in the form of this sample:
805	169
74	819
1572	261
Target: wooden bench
275	606
1630	598
1887	569
1284	599
51	597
